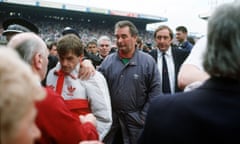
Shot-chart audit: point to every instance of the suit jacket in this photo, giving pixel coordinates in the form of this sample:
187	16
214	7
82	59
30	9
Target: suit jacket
208	114
178	58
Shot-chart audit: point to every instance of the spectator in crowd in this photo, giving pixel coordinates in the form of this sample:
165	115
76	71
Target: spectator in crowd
192	74
174	58
81	96
104	45
69	30
133	80
19	92
53	56
52	59
181	36
139	43
147	47
210	113
55	121
53	49
51	30
92	48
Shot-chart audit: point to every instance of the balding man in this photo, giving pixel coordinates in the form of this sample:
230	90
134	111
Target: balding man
19	92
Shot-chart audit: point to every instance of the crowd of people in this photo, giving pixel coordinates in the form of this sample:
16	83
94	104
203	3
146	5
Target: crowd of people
94	93
52	30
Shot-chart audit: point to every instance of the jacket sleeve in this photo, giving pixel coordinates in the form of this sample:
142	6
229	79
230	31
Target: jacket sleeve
58	125
99	98
153	86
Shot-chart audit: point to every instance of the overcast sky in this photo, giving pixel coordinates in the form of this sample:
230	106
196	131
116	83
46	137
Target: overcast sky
178	12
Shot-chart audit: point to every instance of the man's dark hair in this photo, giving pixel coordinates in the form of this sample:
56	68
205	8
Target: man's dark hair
70	43
162	27
93	42
125	23
51	45
182	29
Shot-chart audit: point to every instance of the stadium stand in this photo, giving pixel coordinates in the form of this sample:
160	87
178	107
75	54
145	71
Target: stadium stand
52	21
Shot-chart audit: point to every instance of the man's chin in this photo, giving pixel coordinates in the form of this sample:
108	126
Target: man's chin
66	71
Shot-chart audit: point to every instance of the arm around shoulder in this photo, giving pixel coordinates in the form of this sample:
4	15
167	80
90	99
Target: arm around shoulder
99	97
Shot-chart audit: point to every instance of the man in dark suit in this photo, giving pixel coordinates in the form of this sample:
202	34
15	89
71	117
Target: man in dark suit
163	36
210	113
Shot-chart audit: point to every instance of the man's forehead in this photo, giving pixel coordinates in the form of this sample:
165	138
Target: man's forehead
91	45
122	29
68	54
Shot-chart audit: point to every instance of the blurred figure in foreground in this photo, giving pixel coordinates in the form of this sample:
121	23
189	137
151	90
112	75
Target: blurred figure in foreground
19	91
210	113
192	74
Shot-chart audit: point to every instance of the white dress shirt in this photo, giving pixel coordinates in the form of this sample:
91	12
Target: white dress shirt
170	66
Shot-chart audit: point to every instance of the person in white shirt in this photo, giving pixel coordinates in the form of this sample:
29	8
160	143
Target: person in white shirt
81	96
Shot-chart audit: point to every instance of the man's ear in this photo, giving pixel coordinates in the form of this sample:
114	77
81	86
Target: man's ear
37	61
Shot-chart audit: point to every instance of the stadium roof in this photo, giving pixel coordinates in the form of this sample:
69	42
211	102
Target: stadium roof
97	16
205	15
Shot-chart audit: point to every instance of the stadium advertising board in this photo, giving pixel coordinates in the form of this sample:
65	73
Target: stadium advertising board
78	7
98	10
121	13
24	2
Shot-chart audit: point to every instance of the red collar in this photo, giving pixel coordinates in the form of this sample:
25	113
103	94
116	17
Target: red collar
123	55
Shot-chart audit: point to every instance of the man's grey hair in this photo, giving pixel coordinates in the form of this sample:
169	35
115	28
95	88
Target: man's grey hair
28	47
102	38
223	42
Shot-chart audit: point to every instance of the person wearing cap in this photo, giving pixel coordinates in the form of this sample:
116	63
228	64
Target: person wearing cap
13	26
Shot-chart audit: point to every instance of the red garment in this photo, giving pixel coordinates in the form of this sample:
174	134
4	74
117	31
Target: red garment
60	80
77	106
58	125
124	55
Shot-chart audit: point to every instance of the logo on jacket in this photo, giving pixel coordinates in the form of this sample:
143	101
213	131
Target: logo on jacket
71	90
136	76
